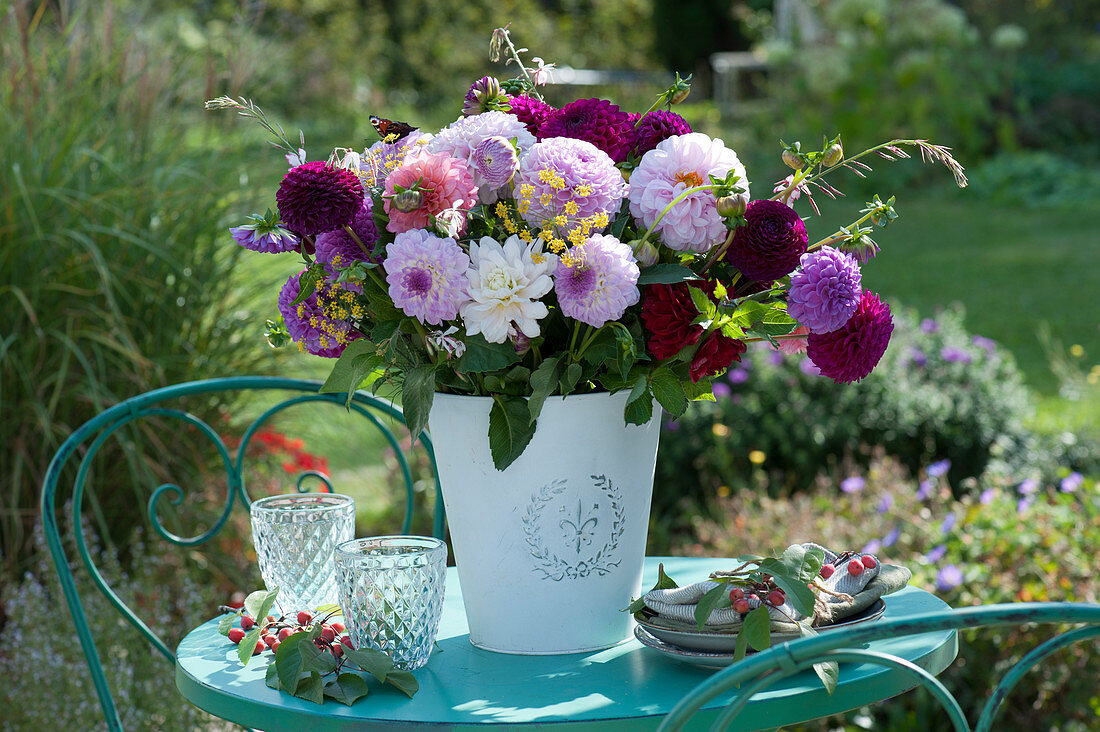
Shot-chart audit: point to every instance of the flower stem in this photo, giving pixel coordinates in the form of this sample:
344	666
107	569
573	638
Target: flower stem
718	254
840	235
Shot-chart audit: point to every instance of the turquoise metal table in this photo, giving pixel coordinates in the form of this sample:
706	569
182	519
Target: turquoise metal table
626	687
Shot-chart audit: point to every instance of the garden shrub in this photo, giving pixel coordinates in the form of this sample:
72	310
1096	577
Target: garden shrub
938	393
1034	179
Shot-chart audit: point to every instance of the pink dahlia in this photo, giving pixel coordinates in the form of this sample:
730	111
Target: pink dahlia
825	290
317	197
341	248
309	323
461	138
599	283
676	164
596	120
770	243
853	350
531	111
658	126
426	275
444	183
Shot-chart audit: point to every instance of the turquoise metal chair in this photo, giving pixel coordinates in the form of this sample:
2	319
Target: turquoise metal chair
86	441
761	670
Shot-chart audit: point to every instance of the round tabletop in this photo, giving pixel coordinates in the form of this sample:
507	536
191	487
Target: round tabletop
627	686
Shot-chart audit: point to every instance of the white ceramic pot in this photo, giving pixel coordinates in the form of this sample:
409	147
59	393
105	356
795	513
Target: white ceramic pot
550	550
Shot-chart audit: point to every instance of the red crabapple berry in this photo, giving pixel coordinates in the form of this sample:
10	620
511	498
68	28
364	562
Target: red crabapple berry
275	645
327	633
338	626
827	571
741	606
258	649
345	640
868	561
337	650
776	598
236	635
247	622
736	594
855	567
270	640
285	633
304	617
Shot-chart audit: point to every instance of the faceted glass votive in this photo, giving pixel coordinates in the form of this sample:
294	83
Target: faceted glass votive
391	592
295	537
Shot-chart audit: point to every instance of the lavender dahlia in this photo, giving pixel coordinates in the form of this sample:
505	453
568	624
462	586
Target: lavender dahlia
825	290
596	120
561	170
316	197
426	275
600	281
853	350
770	243
494	161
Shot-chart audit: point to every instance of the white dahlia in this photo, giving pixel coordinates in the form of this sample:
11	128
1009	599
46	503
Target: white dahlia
505	284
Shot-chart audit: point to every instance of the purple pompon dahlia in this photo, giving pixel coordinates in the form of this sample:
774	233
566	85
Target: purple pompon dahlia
770	243
600	281
596	120
309	323
657	126
852	351
531	111
427	275
825	290
340	249
316	197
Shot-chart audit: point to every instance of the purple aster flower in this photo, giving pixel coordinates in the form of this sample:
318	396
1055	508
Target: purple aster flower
936	554
885	503
738	375
825	290
308	323
929	326
672	425
987	344
259	237
955	355
987	496
939	468
852	484
426	275
1072	482
339	248
918	357
1028	487
852	351
599	282
949	578
595	120
494	161
531	111
720	390
657	126
317	197
948	523
1024	504
770	243
891	538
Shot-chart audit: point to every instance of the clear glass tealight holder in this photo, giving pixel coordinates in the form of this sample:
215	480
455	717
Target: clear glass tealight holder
391	594
295	536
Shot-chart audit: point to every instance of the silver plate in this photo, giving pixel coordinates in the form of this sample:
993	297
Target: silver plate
715	650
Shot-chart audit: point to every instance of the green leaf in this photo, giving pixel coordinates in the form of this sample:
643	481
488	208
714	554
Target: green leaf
347	688
266	605
604	347
570	378
706	307
332	610
510	429
639	411
253	602
827	671
355	364
289	664
404	681
665	274
248	644
803	563
741	647
798	593
664	582
272	679
716	598
669	391
543	381
314	659
227	622
417	393
308	282
311	688
482	356
757	628
374	662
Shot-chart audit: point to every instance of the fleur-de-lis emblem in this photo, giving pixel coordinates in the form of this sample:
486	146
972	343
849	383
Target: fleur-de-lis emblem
580	531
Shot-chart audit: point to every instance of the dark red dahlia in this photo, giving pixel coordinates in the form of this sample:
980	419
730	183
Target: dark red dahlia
657	126
667	312
532	112
596	120
852	351
770	243
716	354
317	197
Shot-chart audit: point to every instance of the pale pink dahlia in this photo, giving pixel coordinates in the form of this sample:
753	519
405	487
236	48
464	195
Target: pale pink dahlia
444	183
426	275
600	281
676	164
561	170
461	138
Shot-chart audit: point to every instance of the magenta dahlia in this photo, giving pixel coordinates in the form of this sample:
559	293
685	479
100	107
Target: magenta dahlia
317	197
596	120
770	243
657	126
532	112
852	351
